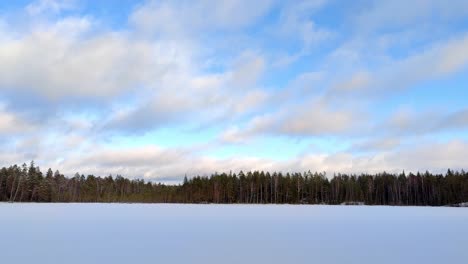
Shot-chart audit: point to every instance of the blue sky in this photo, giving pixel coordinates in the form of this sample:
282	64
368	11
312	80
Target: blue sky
163	89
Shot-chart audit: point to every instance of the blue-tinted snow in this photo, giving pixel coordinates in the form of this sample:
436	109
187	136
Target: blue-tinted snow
135	233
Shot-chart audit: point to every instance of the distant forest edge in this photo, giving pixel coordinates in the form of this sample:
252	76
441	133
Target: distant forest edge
28	184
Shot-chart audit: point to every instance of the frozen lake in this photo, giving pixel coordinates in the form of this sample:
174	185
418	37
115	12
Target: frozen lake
136	233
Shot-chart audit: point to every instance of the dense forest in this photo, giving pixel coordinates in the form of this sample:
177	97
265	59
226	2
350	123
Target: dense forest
28	184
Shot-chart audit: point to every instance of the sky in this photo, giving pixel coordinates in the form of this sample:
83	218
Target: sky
162	89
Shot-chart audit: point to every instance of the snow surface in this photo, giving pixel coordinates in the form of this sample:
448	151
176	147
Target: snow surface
163	233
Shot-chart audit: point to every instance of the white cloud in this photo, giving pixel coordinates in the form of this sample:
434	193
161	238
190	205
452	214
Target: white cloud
410	122
202	97
178	18
436	61
357	81
10	123
380	144
248	69
296	23
307	119
391	14
257	126
52	6
169	165
319	121
132	157
60	60
411	158
233	135
250	100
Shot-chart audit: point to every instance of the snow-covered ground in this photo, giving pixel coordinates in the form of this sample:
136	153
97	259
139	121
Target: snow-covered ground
134	233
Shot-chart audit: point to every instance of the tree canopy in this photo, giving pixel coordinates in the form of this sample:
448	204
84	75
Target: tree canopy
28	184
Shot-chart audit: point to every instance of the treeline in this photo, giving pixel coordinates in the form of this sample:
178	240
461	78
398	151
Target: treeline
28	184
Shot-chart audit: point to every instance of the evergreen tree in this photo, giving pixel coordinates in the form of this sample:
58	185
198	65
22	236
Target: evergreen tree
27	184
